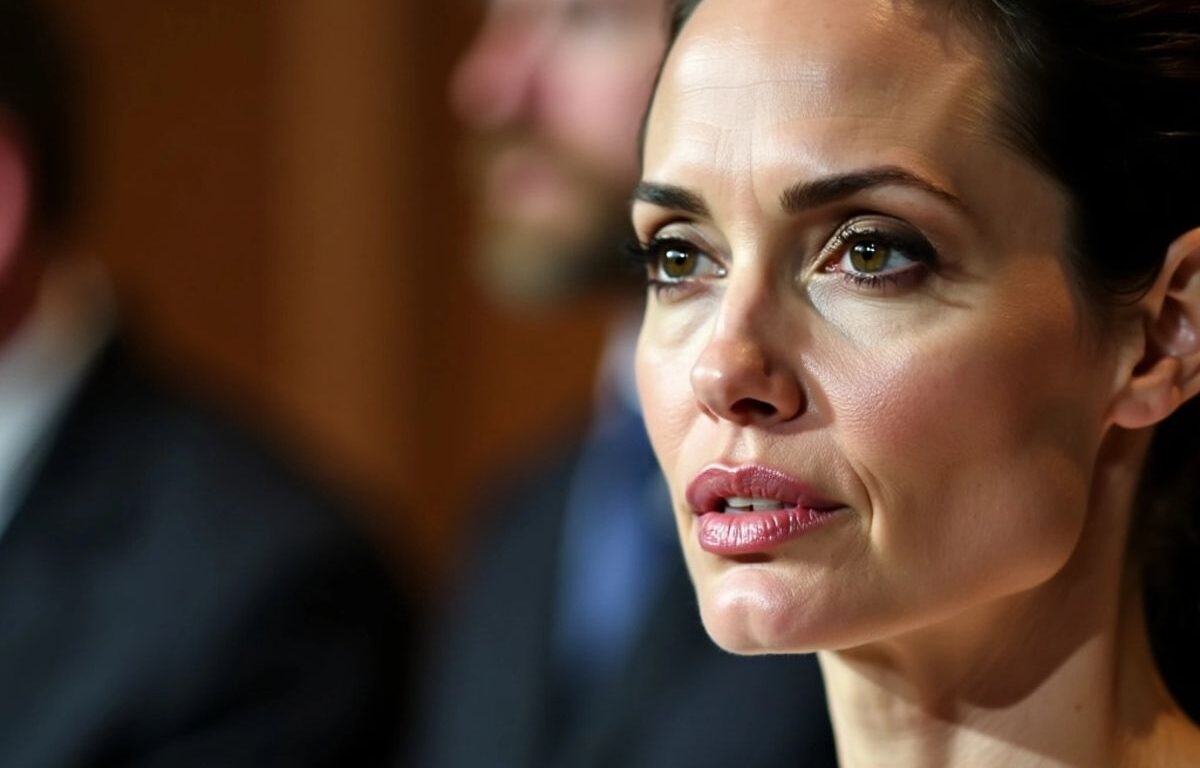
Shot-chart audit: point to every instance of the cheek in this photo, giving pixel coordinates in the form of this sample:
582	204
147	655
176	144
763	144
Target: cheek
974	445
664	388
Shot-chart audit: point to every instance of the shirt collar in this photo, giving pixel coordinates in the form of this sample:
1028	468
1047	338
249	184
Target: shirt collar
42	364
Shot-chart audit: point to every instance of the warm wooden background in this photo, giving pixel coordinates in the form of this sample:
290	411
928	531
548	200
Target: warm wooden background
274	185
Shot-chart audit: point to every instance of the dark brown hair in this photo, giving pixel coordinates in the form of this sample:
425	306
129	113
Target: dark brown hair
1104	95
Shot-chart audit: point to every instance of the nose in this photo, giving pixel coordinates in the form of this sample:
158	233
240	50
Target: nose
740	378
494	81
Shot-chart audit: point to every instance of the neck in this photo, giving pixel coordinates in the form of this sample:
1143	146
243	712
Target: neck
1058	675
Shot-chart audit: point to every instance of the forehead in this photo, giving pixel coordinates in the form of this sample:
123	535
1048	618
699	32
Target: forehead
808	77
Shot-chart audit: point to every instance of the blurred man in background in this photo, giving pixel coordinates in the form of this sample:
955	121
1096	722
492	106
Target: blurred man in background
172	594
575	639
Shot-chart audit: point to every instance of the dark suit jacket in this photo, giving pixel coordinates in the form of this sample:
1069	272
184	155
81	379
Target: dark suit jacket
678	701
171	595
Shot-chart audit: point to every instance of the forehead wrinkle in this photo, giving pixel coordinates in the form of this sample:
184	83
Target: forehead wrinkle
699	70
704	81
701	84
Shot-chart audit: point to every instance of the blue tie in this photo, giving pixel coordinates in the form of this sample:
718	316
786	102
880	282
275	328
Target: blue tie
616	536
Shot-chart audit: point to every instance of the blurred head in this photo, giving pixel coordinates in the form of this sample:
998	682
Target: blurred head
553	92
36	148
924	275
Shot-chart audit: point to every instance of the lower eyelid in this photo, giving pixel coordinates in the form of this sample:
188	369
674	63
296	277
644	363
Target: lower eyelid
900	278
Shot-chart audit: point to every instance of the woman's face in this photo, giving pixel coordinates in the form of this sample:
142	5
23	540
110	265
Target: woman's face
863	366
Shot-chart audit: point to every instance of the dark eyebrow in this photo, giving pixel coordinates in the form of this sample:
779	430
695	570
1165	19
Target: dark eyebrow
802	195
813	194
670	196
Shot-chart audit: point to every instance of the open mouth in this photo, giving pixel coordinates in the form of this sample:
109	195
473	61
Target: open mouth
752	509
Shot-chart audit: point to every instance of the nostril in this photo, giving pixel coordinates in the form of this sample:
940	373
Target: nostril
737	379
752	408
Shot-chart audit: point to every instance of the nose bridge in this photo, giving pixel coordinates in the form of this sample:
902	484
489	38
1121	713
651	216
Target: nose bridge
497	77
744	312
744	373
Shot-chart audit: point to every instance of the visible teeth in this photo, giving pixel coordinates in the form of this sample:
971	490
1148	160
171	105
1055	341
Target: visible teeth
750	504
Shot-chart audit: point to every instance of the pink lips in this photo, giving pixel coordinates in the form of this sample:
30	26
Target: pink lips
742	533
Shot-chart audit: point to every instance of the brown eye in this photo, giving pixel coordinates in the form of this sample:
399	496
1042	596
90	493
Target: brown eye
868	256
674	262
678	262
867	252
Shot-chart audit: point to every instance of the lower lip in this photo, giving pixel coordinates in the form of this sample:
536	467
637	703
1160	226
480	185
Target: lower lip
747	533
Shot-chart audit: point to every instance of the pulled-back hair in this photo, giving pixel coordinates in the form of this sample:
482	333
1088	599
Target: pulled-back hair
1104	96
37	93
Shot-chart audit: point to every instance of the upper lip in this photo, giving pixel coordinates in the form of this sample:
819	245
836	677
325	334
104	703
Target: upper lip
708	490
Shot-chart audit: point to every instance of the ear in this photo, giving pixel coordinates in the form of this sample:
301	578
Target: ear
16	193
1168	373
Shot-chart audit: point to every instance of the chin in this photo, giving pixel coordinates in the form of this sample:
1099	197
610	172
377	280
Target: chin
755	609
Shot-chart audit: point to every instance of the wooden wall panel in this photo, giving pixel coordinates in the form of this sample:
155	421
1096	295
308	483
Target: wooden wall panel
175	132
342	316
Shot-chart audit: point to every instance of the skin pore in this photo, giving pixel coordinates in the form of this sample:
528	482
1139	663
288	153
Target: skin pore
856	282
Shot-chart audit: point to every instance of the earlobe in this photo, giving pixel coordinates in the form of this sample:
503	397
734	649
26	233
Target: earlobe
1168	373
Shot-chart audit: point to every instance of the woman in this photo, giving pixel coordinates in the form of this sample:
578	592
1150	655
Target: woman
924	320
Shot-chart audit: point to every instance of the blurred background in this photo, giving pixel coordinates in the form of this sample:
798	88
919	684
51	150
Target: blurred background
275	186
